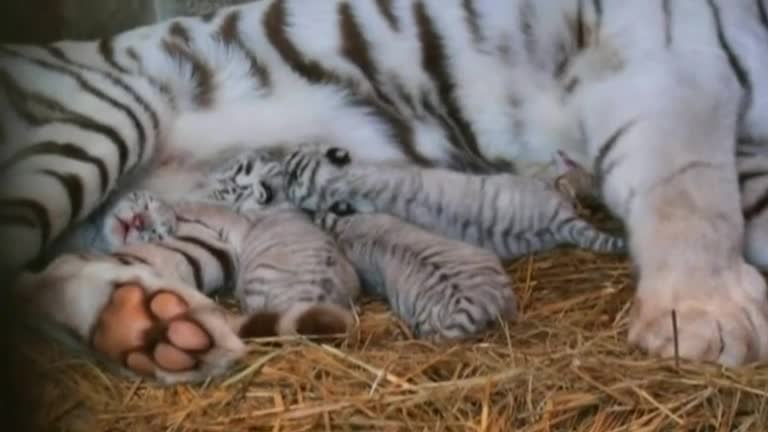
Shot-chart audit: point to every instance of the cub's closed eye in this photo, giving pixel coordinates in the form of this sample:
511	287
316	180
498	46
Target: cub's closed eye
338	156
341	208
268	195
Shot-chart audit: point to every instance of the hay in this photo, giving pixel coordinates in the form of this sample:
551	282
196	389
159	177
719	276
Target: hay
564	367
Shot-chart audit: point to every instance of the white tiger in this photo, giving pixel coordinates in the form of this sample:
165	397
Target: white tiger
508	215
651	94
288	275
444	289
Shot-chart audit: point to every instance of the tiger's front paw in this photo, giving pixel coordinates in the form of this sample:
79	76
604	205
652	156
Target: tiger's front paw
720	317
164	334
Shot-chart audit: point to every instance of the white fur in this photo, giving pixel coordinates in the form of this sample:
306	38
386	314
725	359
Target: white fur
674	182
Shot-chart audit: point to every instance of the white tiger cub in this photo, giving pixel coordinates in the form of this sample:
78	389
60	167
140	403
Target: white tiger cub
288	275
443	289
505	214
241	180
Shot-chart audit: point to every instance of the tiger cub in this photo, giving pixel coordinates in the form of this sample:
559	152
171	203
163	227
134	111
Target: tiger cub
287	274
276	261
506	214
444	289
242	179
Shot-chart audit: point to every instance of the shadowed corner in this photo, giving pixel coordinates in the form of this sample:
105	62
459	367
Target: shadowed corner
21	378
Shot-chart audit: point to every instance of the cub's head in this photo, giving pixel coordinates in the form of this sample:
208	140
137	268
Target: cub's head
252	180
315	176
138	217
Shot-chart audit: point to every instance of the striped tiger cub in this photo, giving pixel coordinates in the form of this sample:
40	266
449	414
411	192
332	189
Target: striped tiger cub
444	289
288	275
505	214
242	180
650	95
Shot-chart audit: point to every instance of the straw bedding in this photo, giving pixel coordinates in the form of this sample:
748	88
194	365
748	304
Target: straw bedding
565	366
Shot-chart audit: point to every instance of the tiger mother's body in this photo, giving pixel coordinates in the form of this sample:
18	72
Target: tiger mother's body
654	94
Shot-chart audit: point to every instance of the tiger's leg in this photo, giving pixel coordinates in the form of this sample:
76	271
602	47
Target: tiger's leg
666	167
153	325
71	135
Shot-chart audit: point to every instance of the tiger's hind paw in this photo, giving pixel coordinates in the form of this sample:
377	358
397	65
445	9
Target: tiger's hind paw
165	334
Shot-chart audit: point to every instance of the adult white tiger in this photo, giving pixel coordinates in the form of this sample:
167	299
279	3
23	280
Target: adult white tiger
652	93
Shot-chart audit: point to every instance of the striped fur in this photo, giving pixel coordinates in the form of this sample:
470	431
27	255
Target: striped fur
505	214
276	262
651	95
443	289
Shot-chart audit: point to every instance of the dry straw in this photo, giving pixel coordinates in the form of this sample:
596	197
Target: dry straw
564	367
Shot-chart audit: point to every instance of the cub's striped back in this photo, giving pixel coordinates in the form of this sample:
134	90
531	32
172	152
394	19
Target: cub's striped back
443	289
508	215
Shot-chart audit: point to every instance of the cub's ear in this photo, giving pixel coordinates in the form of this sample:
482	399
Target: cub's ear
338	156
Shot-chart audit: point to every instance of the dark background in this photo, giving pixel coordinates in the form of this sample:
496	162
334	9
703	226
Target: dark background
21	21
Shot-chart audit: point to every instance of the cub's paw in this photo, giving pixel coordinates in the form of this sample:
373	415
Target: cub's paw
721	319
307	319
166	334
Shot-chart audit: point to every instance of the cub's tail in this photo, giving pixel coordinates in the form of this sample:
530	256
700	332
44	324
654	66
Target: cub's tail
308	319
581	233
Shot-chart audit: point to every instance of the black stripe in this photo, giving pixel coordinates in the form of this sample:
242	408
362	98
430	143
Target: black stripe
385	8
757	207
74	187
745	177
17	96
527	27
130	258
581	32
38	211
275	28
107	50
666	8
161	87
65	150
400	129
682	171
762	13
598	6
738	69
354	46
600	169
230	34
473	21
86	86
275	25
202	74
563	56
178	31
182	218
224	258
58	53
571	86
435	63
197	271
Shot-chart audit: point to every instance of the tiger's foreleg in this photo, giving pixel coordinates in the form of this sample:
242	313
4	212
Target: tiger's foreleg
148	323
72	135
665	163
